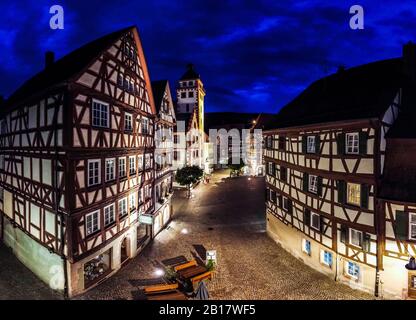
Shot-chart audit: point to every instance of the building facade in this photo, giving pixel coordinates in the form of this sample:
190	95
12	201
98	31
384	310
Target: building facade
328	158
77	168
165	123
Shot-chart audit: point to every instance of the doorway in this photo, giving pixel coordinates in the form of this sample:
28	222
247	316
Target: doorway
125	250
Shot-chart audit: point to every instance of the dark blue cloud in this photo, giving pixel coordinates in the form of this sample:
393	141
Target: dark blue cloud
253	55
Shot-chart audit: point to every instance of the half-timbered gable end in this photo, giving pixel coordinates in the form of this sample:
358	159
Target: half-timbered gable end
77	160
326	153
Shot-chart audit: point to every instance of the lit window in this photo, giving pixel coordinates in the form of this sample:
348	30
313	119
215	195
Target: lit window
356	238
353	270
412	226
132	165
100	114
122	167
306	247
92	222
109	169
109	215
311	144
128	119
326	258
315	221
94	173
352	143
354	194
313	184
122	207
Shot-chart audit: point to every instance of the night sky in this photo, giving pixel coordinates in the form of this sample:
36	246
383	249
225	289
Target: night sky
253	56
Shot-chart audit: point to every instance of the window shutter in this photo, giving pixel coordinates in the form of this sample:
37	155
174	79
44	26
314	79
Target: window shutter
307	217
366	242
290	206
363	142
341	143
364	195
321	224
280	199
342	190
318	144
344	234
305	182
304	144
320	186
402	225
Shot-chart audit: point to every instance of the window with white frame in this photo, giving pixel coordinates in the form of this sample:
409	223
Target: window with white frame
94	173
306	247
132	202
100	114
132	165
326	258
122	167
110	169
352	145
147	193
412	226
148	162
109	215
285	204
270	168
122	207
128	122
140	162
313	184
140	196
315	221
354	194
145	126
311	144
356	238
353	269
92	222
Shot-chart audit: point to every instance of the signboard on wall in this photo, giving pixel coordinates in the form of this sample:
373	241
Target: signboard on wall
212	255
146	219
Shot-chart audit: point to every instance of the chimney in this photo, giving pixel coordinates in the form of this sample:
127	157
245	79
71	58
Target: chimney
49	59
409	60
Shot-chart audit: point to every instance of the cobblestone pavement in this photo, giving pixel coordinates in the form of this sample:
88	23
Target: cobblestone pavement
19	283
227	215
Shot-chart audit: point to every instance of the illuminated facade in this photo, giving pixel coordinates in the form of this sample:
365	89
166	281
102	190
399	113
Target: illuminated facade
334	163
77	169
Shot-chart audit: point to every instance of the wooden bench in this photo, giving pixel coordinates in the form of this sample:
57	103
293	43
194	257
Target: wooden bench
203	276
185	265
161	288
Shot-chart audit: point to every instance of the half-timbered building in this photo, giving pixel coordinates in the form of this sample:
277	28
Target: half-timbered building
77	163
165	123
335	198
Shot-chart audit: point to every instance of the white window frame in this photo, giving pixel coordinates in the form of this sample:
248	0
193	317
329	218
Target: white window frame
132	202
123	204
358	203
122	167
147	192
110	171
360	235
97	179
148	161
311	144
109	220
100	114
285	204
352	143
140	162
132	164
411	215
304	249
352	269
313	214
94	216
128	121
313	184
323	254
145	126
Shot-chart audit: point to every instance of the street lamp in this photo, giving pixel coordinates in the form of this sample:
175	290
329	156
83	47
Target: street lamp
159	272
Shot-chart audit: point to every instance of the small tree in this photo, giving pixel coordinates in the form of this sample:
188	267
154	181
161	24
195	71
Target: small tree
187	176
236	167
